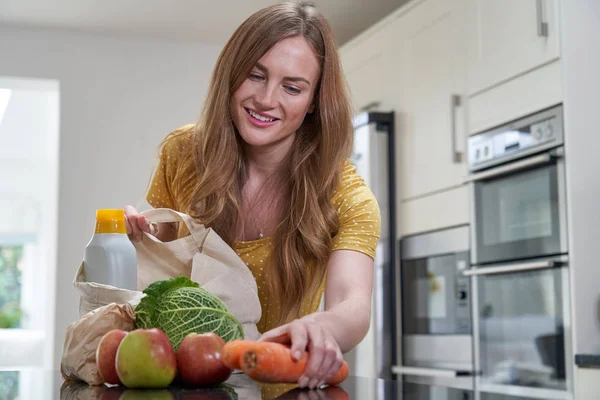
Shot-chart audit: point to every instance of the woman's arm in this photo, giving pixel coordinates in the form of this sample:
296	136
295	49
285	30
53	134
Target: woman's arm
348	294
342	325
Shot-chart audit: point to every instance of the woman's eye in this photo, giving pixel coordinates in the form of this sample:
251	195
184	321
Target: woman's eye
292	89
256	77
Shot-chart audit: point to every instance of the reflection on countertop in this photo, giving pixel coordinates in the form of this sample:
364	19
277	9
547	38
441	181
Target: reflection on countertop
30	384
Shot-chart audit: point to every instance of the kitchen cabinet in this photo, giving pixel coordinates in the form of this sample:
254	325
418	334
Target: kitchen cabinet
508	38
365	65
429	213
429	56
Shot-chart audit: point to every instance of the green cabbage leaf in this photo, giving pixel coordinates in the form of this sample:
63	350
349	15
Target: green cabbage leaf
179	306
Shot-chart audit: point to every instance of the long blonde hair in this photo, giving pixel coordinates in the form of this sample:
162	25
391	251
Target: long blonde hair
210	178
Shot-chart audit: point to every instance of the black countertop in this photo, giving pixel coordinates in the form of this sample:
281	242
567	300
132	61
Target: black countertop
237	387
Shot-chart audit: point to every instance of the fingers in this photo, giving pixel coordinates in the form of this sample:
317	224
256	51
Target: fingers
299	337
129	211
278	335
144	224
317	356
136	224
336	364
325	357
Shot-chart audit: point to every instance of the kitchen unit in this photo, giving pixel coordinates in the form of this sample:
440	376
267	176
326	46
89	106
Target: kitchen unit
509	38
519	258
435	323
372	156
460	68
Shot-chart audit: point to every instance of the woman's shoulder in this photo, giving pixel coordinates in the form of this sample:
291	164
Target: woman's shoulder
350	179
178	140
351	189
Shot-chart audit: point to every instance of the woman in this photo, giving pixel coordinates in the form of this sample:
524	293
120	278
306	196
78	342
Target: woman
266	167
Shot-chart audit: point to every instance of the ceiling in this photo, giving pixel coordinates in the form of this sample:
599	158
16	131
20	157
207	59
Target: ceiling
190	20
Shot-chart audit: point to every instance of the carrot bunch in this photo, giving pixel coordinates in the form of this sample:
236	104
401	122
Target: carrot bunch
270	362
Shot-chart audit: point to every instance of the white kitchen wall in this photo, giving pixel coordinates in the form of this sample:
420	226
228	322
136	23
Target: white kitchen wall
119	98
581	79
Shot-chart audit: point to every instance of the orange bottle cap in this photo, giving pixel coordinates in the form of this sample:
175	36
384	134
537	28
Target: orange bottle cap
110	221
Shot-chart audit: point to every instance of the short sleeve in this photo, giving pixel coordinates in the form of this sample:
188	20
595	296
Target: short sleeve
358	210
160	193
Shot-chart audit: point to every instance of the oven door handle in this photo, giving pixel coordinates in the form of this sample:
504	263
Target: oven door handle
541	159
502	269
438	373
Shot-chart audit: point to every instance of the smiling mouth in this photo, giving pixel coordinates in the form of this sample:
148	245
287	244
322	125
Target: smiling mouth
259	117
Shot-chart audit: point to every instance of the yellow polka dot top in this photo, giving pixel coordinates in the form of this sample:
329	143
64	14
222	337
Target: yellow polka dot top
355	203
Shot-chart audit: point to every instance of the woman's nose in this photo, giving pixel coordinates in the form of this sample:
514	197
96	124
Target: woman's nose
266	97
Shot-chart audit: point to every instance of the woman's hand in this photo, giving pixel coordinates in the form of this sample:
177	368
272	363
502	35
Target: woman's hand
306	334
137	224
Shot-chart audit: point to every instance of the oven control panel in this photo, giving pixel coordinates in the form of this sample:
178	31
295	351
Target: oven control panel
462	295
516	139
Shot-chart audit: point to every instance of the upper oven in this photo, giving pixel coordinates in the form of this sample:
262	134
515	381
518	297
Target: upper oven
518	190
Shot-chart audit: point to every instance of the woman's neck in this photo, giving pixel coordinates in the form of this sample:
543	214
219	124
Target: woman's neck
265	162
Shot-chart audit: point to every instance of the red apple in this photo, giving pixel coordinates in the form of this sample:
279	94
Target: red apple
145	359
199	360
107	353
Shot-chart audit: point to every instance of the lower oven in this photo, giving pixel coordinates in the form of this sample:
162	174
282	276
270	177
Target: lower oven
435	322
521	328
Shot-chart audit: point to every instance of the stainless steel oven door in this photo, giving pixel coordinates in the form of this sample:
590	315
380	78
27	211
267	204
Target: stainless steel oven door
522	329
520	210
435	295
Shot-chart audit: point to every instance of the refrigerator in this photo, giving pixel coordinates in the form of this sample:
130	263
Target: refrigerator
373	157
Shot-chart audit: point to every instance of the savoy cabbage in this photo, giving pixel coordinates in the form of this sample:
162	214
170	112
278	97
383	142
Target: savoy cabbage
179	306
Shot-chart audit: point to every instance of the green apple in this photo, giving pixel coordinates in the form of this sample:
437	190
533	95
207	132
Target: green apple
145	359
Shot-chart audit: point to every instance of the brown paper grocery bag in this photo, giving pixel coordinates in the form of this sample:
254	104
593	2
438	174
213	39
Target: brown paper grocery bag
205	258
201	256
83	336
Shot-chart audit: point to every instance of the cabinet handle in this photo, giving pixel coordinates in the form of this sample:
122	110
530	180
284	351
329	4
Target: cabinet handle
542	26
454	102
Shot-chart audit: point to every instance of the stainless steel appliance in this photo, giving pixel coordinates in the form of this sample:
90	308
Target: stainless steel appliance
373	156
436	309
519	258
518	190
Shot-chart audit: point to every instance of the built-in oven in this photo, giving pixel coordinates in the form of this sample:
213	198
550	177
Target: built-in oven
519	258
435	322
518	190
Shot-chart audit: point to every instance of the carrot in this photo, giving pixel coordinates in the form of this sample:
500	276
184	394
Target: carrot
270	362
232	352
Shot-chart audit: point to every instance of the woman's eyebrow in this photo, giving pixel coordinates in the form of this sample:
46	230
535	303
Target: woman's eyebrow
264	70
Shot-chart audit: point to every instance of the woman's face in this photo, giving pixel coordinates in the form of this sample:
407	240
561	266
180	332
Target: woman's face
271	104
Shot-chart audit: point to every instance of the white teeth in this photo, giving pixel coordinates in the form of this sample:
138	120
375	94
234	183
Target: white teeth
260	117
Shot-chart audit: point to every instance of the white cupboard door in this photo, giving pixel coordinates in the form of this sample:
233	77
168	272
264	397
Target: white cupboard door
364	66
430	51
509	37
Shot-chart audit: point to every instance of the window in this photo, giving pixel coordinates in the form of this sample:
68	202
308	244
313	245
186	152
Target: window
11	265
9	384
29	118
